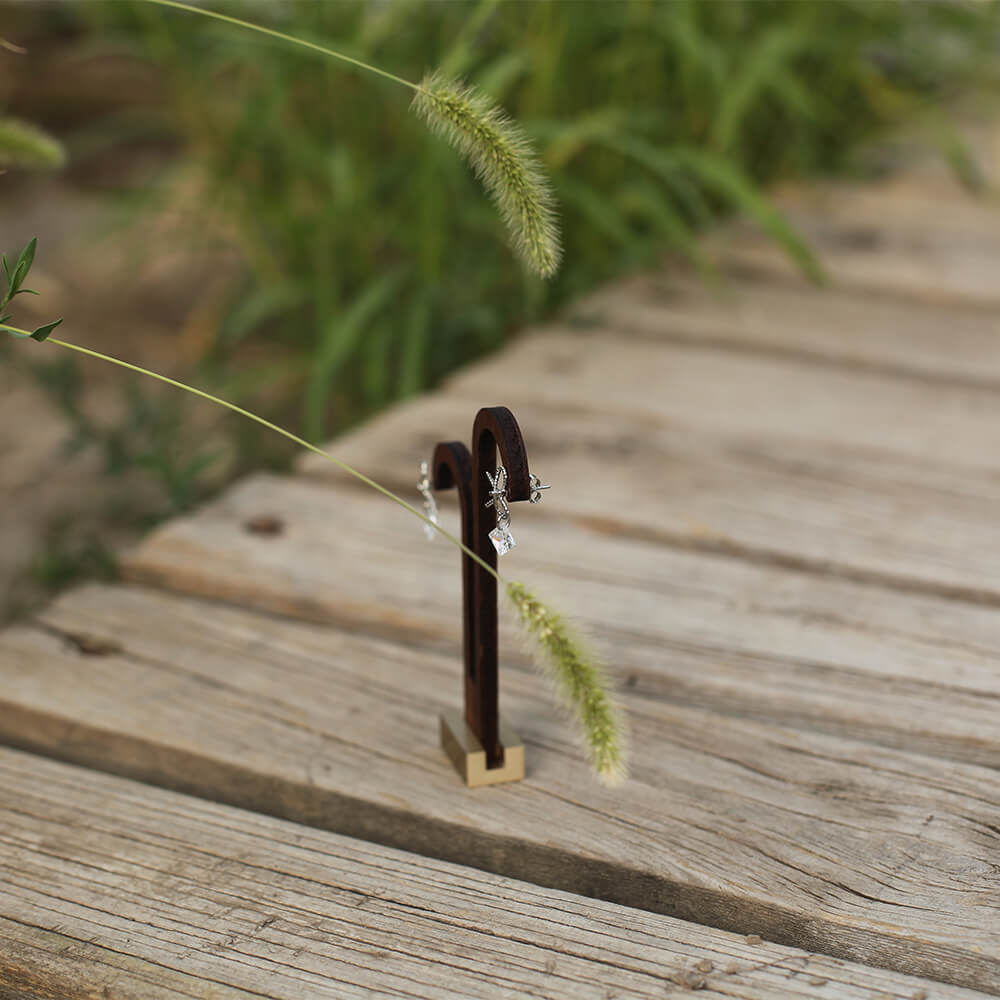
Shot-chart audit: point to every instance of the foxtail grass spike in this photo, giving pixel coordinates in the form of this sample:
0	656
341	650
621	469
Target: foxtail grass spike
504	161
493	144
579	679
577	676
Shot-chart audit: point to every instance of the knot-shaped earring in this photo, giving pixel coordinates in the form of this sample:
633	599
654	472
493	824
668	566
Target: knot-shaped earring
426	490
500	536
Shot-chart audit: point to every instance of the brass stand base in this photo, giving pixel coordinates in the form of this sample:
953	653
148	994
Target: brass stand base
467	754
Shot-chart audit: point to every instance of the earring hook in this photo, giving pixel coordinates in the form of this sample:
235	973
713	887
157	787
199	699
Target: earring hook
426	490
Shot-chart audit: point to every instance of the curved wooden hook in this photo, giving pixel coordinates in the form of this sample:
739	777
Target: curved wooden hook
494	429
454	467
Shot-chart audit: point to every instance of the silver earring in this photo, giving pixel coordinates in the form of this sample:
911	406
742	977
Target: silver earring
426	490
500	536
536	488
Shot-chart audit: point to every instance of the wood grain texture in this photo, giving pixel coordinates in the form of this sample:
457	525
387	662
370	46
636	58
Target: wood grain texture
916	155
827	326
777	511
827	844
116	891
714	632
902	203
778	400
904	238
861	511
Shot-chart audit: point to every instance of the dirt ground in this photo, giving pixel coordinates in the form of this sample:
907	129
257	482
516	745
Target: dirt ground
134	288
124	288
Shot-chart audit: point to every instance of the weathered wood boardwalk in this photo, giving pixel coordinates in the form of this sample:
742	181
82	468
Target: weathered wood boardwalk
775	508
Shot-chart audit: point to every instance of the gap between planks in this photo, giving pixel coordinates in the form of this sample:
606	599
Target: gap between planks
847	435
712	632
126	892
898	442
808	840
901	239
821	326
901	491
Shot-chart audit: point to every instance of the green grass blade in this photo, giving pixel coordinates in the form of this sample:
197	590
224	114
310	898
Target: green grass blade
340	338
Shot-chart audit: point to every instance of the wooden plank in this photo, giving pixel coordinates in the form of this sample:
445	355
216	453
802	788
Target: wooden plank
902	203
919	154
899	239
753	641
931	270
918	521
120	890
865	474
823	325
775	399
807	840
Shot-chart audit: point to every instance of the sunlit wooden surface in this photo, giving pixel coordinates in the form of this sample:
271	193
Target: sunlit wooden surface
774	506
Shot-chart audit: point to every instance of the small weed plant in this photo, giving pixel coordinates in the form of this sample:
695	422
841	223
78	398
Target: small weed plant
503	160
370	264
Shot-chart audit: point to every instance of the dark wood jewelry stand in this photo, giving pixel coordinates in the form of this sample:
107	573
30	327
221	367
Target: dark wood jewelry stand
483	749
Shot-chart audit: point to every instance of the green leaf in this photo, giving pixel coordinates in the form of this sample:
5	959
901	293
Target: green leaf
340	338
22	267
730	183
958	153
456	60
27	257
670	169
377	365
261	306
24	145
43	332
644	200
496	78
596	210
568	140
414	349
760	73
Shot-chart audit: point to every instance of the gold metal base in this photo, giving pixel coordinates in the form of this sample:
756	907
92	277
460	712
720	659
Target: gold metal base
465	751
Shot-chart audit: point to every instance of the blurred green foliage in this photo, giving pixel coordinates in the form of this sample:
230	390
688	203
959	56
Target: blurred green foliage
152	433
25	145
65	559
374	264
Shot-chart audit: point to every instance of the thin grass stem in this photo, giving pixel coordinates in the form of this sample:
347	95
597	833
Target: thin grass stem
578	676
281	36
492	143
302	442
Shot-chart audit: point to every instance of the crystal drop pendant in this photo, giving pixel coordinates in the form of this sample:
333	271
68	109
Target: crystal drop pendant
502	539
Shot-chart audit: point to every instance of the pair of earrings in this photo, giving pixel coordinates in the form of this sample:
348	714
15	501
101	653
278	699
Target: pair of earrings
500	536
